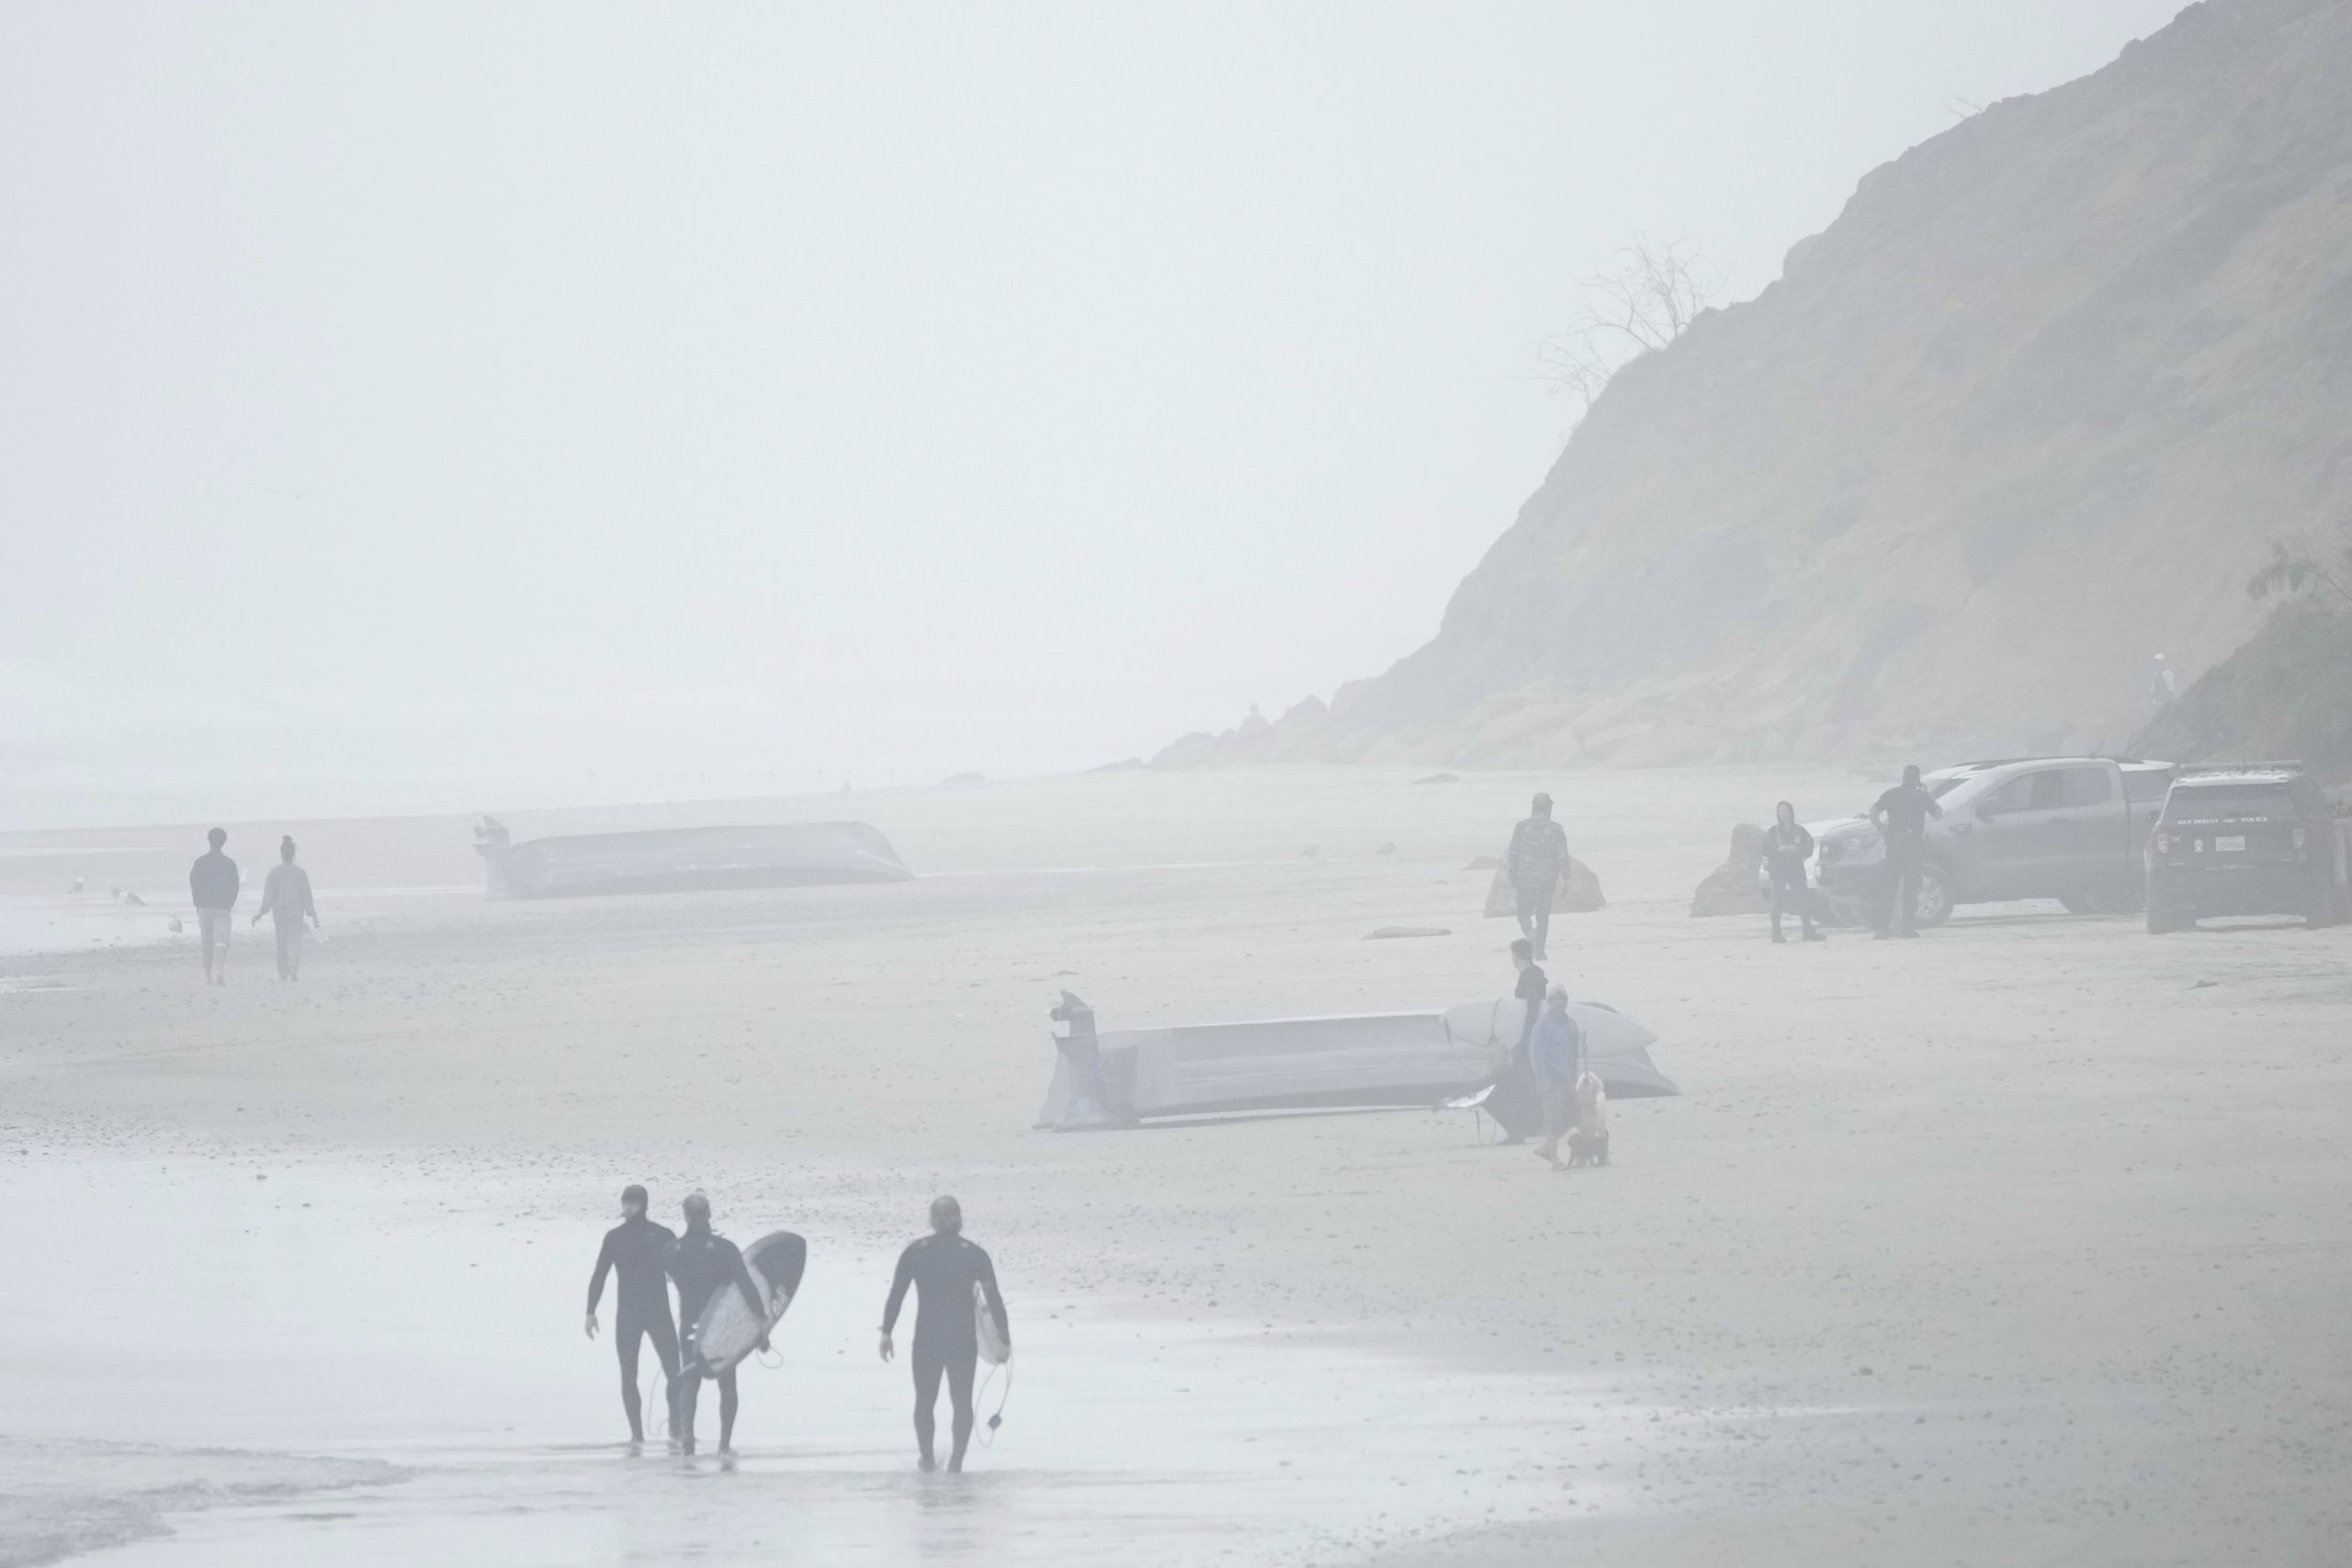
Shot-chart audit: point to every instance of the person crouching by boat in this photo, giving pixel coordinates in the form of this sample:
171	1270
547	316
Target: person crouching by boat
1557	1054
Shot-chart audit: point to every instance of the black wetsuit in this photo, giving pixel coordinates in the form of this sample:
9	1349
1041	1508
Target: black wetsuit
942	1269
639	1250
1533	987
702	1264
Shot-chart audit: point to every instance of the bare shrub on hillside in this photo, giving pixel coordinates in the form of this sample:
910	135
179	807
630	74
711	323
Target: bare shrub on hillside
2303	570
1644	305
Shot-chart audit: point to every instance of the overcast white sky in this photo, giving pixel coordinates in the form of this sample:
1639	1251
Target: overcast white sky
421	405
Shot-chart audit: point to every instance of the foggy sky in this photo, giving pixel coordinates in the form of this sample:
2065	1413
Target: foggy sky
450	406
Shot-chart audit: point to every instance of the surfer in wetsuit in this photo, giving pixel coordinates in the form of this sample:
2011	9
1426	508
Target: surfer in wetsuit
701	1263
945	1268
639	1251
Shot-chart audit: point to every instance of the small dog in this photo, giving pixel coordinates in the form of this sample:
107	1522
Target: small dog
1589	1140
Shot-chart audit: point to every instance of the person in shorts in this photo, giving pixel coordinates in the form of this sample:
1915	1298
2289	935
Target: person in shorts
212	887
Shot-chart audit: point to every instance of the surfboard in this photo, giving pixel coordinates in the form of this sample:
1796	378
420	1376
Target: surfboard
993	1350
727	1331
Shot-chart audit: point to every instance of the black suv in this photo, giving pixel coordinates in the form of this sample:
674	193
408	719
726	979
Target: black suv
2255	839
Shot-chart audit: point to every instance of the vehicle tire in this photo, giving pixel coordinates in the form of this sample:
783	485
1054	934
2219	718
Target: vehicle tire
1936	896
2130	895
2080	903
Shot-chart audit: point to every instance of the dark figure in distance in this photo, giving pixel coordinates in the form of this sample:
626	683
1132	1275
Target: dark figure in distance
1787	846
1530	988
212	887
945	1268
639	1251
1515	1081
286	897
1901	818
702	1263
1537	859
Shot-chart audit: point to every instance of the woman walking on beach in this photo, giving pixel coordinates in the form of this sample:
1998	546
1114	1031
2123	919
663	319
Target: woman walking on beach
286	899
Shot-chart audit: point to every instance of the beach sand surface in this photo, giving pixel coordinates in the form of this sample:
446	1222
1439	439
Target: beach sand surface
2024	1242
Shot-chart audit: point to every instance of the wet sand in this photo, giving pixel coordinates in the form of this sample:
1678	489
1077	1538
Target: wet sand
2023	1242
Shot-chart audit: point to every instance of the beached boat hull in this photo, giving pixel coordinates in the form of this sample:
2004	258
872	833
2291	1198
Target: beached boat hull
1299	1064
682	860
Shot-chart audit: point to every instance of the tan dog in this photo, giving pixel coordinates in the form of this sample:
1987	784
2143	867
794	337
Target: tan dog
1589	1140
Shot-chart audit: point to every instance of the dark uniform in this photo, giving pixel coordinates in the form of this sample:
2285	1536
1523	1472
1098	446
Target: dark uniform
943	1270
1902	813
639	1251
1787	846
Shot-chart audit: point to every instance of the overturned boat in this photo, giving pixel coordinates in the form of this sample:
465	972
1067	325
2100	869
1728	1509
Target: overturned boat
682	860
1121	1076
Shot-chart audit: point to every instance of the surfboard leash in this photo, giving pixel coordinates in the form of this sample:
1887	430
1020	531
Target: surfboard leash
988	1428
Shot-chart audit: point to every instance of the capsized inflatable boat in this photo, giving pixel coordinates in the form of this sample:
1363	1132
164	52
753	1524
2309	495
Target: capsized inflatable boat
680	860
1120	1076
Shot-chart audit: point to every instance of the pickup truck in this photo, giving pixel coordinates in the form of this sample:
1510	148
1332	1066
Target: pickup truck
2073	828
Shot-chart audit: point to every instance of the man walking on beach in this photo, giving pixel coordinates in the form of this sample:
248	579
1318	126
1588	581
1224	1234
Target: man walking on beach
703	1263
945	1271
1556	1055
286	897
1901	818
1787	846
637	1250
1537	859
212	887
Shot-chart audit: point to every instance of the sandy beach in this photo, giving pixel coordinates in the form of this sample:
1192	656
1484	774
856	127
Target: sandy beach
2026	1242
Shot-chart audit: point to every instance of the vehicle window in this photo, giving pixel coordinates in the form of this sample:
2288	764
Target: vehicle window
2027	791
2010	796
2146	783
2194	798
2087	786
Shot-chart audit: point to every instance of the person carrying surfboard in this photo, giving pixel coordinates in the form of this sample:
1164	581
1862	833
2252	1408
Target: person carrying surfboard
944	1271
638	1251
702	1263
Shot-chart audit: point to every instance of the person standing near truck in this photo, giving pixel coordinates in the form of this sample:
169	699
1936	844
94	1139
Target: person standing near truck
1787	846
1537	859
1901	818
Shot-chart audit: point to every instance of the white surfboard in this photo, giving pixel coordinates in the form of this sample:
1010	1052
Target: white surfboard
993	1350
727	1330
